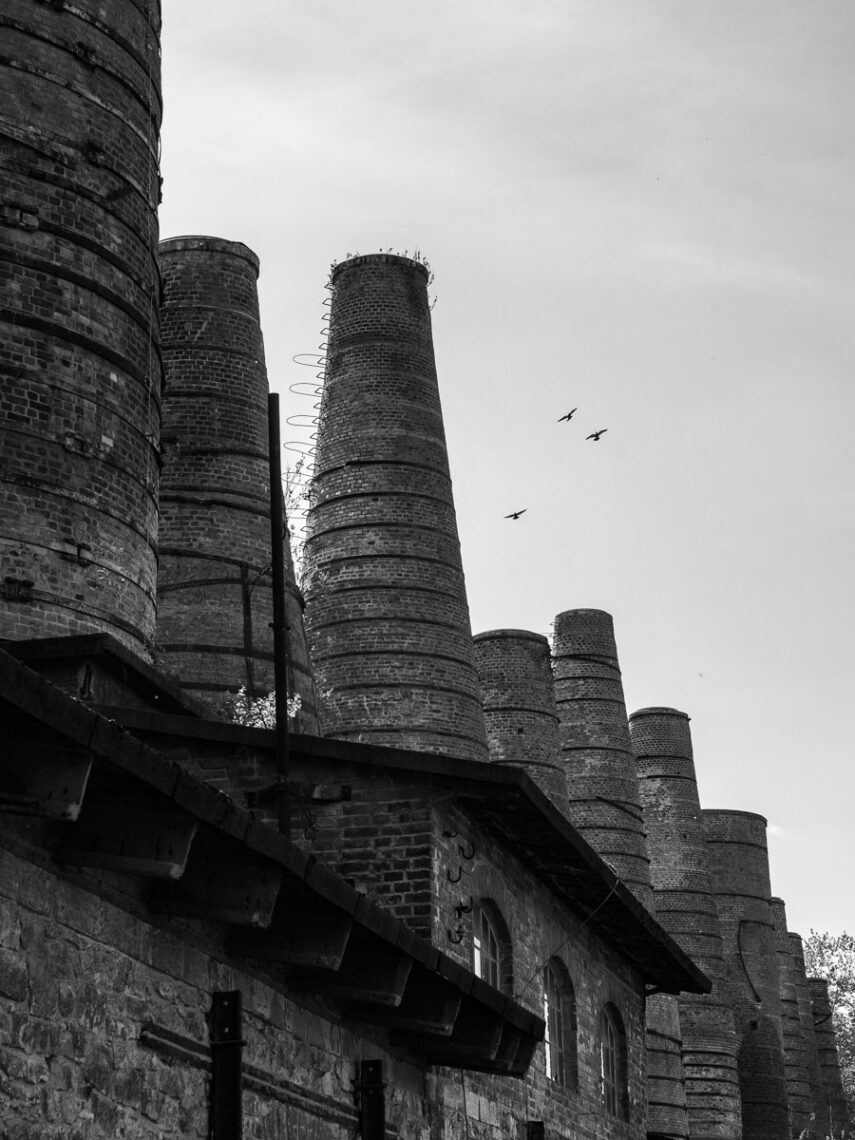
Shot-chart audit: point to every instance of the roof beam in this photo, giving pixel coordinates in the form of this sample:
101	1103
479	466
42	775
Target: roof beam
141	841
303	933
44	779
218	888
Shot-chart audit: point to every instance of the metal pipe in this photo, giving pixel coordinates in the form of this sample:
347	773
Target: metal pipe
280	620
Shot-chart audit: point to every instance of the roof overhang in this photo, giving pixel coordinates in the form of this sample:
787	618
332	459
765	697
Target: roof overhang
114	803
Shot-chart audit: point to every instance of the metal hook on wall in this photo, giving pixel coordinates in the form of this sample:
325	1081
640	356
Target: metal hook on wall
464	908
454	878
463	852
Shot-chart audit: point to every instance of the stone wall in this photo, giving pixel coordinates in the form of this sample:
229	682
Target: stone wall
104	1028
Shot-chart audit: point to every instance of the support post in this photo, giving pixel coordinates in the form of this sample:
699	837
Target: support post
226	1121
372	1101
280	620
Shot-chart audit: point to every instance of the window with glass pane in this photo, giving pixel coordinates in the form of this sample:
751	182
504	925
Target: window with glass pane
613	1062
485	949
554	1014
608	1066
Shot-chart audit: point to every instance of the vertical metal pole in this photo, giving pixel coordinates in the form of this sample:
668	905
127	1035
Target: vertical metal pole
226	1120
372	1101
280	621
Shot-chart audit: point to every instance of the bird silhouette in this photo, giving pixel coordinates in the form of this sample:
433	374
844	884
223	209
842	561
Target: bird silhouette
516	514
595	435
568	417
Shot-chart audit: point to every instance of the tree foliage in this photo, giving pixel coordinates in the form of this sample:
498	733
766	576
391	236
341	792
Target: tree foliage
260	712
832	956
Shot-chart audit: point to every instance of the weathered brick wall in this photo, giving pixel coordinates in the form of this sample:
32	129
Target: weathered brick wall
215	602
739	860
471	866
605	806
92	985
803	999
792	1034
400	840
602	783
386	611
80	368
832	1111
519	706
686	907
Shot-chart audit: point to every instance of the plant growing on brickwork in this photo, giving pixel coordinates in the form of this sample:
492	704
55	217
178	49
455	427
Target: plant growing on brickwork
832	956
416	256
295	489
260	712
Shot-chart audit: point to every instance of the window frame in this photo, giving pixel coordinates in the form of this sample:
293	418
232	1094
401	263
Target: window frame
492	958
560	1038
613	1067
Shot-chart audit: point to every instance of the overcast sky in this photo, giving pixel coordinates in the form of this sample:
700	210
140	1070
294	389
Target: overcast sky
643	209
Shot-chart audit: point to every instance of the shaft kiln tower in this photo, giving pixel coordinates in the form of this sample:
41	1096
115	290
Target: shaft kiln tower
686	906
81	374
386	610
215	582
519	706
602	781
736	842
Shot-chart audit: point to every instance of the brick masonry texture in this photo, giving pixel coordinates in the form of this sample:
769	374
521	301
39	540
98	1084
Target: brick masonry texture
602	783
832	1112
399	839
739	859
519	706
91	979
808	1030
386	611
685	905
80	358
792	1034
83	976
215	603
604	803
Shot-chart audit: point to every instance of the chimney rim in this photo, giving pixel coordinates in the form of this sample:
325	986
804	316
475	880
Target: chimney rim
379	259
733	812
205	243
659	710
511	635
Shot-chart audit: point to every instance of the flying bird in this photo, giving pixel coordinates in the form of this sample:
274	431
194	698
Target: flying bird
516	514
595	435
568	417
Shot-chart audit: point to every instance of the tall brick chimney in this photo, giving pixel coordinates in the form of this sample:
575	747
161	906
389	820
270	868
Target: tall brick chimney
832	1110
599	766
519	707
215	602
811	1056
386	609
685	905
792	1034
605	806
79	350
736	841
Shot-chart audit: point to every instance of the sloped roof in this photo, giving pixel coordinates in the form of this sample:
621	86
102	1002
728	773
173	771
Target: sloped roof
118	804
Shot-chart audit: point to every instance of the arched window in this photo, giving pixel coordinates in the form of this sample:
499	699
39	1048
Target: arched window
491	946
613	1063
559	1013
